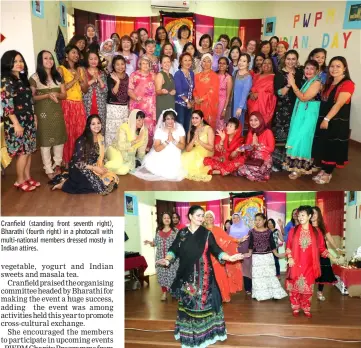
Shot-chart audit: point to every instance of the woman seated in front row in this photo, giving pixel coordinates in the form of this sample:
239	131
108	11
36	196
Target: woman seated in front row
226	159
163	162
87	173
200	144
259	146
129	145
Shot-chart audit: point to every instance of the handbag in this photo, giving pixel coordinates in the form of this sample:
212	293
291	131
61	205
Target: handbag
251	161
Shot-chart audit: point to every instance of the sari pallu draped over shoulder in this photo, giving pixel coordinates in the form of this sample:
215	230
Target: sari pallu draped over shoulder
266	100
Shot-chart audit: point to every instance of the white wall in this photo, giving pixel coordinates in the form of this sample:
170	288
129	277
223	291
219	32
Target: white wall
16	26
353	227
312	37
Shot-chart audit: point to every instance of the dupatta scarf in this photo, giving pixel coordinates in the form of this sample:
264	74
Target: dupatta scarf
229	146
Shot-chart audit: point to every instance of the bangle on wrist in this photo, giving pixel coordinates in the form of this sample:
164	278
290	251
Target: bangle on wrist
326	119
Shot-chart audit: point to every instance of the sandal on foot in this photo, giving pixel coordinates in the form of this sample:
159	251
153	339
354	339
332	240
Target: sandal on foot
324	179
295	313
320	296
33	182
308	314
294	175
316	177
26	187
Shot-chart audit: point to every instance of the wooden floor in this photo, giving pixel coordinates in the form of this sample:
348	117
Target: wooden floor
44	202
249	323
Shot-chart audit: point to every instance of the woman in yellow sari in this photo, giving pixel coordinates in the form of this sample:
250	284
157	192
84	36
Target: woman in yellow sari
87	173
200	144
129	144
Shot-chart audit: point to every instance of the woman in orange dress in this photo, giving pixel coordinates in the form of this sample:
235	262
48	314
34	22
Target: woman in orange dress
229	275
206	91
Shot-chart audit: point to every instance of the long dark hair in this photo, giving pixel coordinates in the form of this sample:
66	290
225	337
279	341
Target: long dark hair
254	67
320	221
173	56
138	46
193	128
330	78
236	38
263	217
231	50
196	53
225	223
227	63
193	209
323	67
95	38
140	114
283	60
265	43
160	221
67	50
273	222
40	70
292	219
7	64
88	135
99	66
157	40
206	36
76	38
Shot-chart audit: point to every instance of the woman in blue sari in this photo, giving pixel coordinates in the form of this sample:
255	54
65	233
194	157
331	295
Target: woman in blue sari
303	122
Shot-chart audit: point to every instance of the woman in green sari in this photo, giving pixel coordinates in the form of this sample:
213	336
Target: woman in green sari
303	122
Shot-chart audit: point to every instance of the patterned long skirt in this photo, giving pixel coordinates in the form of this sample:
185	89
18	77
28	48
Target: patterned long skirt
116	116
199	328
75	120
255	173
226	167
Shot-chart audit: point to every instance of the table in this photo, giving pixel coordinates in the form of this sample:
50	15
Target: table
349	279
140	264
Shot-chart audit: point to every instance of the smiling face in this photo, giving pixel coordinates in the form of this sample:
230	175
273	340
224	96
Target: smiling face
243	63
143	36
259	61
134	38
206	64
119	66
224	42
169	121
197	218
319	58
337	69
303	217
259	221
48	60
175	219
166	63
281	50
196	120
236	219
139	122
144	66
222	65
190	49
186	62
230	128
90	32
218	49
108	46
270	225
235	54
93	60
205	44
80	44
310	71
95	126
185	34
162	35
149	49
126	45
254	122
209	219
251	47
291	61
18	64
274	43
166	219
266	49
168	50
267	66
73	55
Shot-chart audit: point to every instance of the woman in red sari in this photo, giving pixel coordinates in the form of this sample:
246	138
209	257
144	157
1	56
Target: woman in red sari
228	275
305	244
206	91
262	97
224	161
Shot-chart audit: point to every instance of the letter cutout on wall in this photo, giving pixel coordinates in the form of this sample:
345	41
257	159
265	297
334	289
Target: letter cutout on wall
295	45
346	37
306	21
335	41
305	41
296	19
318	17
330	19
325	40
